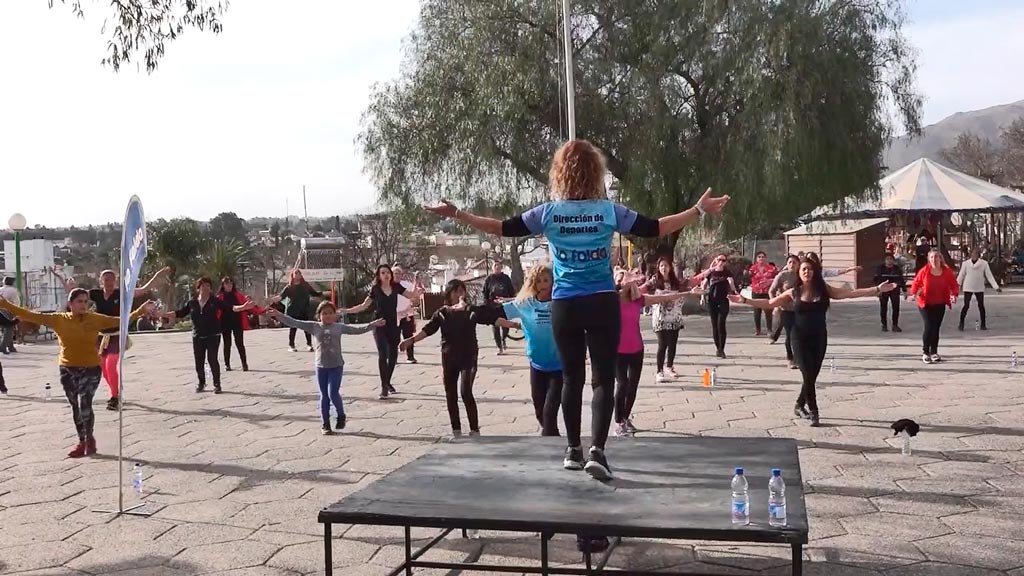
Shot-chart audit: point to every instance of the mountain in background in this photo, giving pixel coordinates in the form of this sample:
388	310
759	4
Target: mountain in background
986	123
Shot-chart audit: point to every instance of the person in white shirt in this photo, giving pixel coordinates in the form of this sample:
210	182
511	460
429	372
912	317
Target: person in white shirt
973	274
10	293
406	312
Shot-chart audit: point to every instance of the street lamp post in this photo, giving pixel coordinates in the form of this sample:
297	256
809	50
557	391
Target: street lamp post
17	223
486	247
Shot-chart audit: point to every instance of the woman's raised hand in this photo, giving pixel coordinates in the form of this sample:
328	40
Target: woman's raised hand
445	209
710	205
886	287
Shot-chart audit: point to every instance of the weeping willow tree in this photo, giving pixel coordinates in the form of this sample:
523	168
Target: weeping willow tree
784	104
141	29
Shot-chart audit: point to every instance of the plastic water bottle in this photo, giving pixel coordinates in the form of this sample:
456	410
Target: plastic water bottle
706	378
977	325
776	499
905	436
832	365
714	377
49	391
740	498
137	479
1013	359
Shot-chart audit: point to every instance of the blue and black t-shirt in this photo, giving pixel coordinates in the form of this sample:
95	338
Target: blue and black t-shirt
580	233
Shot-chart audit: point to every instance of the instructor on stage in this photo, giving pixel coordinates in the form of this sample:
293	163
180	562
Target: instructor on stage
579	223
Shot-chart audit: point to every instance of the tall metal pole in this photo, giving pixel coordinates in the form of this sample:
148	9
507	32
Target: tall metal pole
17	267
570	85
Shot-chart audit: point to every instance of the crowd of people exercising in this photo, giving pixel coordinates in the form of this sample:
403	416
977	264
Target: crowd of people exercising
577	306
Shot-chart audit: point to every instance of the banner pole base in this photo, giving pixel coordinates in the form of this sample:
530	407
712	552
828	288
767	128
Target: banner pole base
133	511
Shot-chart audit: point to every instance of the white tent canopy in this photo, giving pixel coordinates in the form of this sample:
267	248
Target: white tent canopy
926	186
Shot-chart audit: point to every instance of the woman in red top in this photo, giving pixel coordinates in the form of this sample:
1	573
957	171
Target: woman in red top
761	276
935	287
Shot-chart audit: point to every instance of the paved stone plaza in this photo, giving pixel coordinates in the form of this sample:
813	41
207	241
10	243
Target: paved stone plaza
236	480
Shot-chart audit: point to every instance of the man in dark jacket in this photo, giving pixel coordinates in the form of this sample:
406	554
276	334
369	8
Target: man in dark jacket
891	272
498	286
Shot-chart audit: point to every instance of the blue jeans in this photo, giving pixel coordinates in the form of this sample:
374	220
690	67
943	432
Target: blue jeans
329	380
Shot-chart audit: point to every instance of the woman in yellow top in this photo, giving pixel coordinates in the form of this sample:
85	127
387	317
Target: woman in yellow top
80	372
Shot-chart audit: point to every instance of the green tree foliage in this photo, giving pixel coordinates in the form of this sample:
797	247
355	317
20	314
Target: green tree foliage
783	104
142	28
228	226
178	244
221	258
1001	163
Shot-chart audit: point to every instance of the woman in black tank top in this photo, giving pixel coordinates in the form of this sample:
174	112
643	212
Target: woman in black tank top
810	297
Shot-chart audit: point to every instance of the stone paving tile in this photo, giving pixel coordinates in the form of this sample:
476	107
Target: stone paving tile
236	480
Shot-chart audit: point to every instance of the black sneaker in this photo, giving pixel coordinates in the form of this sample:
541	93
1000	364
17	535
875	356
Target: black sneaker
245	367
801	412
3	387
341	422
113	403
391	389
326	430
216	389
815	421
413	361
573	459
383	395
200	388
227	367
597	465
885	328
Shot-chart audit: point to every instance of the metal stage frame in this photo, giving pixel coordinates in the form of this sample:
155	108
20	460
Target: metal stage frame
516	485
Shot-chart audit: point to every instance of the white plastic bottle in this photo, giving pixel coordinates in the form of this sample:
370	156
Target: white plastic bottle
137	479
776	499
740	498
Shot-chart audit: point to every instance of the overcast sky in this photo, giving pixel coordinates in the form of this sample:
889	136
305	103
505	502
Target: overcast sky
240	121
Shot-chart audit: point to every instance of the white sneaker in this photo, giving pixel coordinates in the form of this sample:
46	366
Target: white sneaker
630	427
659	378
926	358
672	373
936	358
500	352
309	348
621	431
292	349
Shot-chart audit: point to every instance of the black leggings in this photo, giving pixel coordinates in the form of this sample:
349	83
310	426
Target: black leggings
967	306
407	328
387	339
932	316
500	337
719	311
452	370
667	340
627	380
788	319
758	312
809	351
205	350
546	390
226	333
884	300
291	334
580	324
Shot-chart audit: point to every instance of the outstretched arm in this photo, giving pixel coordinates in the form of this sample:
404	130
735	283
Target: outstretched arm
304	325
357	308
448	210
509	324
69	283
837	293
652	299
764	303
705	205
363	329
145	288
26	314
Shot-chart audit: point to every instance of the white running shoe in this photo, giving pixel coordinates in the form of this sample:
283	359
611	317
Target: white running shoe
292	349
661	377
936	358
630	427
621	431
926	358
309	348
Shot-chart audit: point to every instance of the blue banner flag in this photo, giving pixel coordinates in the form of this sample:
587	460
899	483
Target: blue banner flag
133	254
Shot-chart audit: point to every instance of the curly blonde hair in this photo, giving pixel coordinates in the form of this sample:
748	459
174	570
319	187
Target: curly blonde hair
577	172
529	289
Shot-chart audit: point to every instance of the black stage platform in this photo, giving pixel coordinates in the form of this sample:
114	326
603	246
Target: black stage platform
670	488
